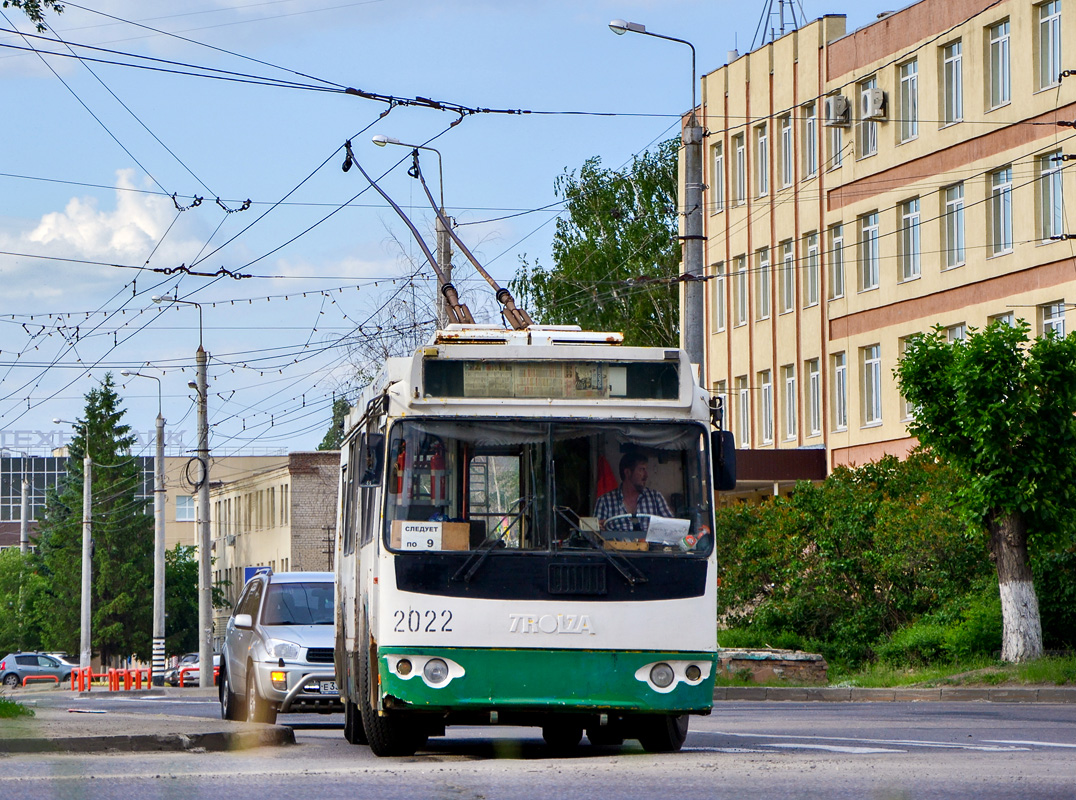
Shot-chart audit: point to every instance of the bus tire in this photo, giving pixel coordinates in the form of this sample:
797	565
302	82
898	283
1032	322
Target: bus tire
388	735
562	736
662	733
354	732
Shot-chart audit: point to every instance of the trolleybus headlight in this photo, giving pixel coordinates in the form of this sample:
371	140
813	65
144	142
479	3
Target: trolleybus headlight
693	672
662	675
435	671
403	667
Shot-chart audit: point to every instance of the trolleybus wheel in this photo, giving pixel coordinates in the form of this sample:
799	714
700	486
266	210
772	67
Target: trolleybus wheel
354	733
388	735
662	733
562	736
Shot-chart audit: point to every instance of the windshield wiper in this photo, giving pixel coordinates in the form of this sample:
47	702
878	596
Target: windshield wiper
628	570
478	557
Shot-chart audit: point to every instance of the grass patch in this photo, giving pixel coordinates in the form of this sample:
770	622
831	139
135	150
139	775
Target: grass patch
9	709
1049	671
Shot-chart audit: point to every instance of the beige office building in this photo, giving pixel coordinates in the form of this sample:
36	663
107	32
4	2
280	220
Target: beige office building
864	187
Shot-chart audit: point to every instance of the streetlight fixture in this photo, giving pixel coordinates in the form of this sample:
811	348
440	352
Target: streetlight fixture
694	240
158	538
205	561
444	242
85	649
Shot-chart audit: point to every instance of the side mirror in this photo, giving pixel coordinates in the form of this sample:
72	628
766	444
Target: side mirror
723	451
373	454
244	621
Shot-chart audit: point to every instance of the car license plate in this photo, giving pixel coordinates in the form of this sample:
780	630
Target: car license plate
329	687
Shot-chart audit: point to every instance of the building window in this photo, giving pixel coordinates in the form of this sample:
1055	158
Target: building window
954	225
787	172
719	296
811	271
185	509
1000	76
789	375
907	410
741	291
836	261
739	171
952	83
836	146
1001	211
868	128
1051	206
717	179
1007	318
909	239
840	392
1049	42
762	265
956	333
744	403
1052	316
814	397
788	278
765	382
810	140
868	251
909	100
762	161
872	384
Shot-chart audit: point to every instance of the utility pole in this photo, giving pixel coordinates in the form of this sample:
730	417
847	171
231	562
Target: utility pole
694	241
205	561
24	516
444	259
86	652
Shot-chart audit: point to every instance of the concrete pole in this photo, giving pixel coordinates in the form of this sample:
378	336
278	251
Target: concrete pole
24	517
87	549
444	260
694	249
205	557
158	557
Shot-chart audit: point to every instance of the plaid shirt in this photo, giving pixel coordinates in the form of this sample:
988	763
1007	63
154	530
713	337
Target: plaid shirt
611	504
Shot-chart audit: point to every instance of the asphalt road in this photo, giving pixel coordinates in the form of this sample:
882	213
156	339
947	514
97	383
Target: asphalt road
888	751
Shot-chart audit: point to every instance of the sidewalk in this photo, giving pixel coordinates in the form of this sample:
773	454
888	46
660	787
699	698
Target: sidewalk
66	721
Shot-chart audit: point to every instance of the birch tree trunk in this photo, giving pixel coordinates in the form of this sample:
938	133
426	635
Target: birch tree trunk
1021	637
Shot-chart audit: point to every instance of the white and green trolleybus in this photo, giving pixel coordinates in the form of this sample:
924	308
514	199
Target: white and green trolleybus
483	576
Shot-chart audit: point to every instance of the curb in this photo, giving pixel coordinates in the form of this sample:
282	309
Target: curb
269	735
949	694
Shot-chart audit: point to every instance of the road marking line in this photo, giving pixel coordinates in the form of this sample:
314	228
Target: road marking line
890	742
832	748
1034	744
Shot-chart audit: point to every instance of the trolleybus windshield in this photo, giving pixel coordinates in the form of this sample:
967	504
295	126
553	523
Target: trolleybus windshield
537	485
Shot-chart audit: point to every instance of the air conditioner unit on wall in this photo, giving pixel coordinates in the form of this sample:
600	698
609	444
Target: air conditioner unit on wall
838	112
874	104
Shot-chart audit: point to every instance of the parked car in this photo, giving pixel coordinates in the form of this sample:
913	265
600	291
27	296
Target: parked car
188	662
278	648
15	667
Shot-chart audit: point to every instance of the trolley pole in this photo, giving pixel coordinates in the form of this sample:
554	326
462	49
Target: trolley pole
205	557
86	652
158	557
24	518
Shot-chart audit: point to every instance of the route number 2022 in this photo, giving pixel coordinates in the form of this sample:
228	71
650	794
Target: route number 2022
428	621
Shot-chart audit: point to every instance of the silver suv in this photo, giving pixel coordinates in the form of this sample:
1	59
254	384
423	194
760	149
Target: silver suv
278	648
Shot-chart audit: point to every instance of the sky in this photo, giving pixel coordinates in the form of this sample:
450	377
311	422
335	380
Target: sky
120	183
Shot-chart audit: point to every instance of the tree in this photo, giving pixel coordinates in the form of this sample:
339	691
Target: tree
335	435
20	623
35	10
122	590
1000	409
616	255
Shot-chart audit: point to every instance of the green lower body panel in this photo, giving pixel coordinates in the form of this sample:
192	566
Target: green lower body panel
561	680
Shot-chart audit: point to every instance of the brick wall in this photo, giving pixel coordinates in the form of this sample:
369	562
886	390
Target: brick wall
314	478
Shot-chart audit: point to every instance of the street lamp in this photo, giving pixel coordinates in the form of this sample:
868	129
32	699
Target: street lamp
444	242
694	240
85	651
158	538
205	585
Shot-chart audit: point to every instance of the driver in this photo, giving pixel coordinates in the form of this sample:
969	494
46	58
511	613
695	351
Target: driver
632	498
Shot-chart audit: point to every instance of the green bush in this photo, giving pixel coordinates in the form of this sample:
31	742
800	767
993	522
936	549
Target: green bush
1055	583
917	645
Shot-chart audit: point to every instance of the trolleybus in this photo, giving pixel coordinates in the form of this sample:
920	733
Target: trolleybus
525	537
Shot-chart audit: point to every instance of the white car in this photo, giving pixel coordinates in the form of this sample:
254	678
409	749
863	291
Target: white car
278	648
